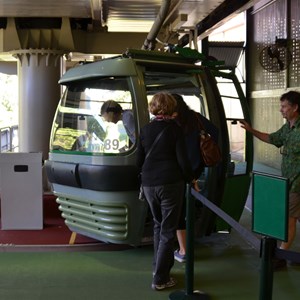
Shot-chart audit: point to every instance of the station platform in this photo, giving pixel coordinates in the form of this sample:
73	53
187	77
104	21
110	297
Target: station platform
54	264
225	268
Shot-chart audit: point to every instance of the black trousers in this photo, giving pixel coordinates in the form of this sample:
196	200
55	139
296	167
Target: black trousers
165	202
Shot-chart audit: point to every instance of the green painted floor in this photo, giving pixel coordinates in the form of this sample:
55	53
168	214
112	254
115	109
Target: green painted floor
225	268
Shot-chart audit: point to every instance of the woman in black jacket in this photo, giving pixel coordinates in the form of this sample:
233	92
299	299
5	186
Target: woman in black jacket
163	177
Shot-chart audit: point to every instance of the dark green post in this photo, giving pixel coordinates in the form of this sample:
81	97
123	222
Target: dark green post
190	220
268	246
189	267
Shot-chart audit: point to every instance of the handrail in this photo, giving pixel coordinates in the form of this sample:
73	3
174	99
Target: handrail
9	141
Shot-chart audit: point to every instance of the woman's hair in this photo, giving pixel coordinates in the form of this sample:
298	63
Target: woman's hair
186	117
183	110
162	104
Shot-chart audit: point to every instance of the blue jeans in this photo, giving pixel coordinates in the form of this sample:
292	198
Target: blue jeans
165	202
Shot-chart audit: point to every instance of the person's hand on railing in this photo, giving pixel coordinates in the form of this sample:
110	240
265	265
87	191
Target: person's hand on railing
195	186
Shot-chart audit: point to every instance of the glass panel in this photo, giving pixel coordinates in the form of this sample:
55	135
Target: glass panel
188	86
81	126
237	135
233	108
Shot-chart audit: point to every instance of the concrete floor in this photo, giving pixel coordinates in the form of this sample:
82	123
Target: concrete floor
225	268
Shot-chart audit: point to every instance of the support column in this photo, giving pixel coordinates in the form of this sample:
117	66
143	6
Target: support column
39	92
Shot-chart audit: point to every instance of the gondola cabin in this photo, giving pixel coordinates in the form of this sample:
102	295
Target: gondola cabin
91	163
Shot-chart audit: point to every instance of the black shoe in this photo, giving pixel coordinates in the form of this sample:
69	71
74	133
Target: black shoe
279	264
159	287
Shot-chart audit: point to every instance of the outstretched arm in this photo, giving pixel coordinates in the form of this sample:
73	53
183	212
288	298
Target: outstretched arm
263	136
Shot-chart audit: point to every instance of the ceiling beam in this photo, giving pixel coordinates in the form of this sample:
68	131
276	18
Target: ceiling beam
221	13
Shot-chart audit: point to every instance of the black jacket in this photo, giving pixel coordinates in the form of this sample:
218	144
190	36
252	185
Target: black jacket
168	162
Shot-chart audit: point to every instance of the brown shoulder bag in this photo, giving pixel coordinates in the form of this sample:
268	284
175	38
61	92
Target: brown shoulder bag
209	149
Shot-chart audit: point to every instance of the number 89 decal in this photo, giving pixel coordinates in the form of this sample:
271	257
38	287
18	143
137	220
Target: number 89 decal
111	144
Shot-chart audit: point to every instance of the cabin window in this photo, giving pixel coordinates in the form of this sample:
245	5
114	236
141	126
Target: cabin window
186	85
95	116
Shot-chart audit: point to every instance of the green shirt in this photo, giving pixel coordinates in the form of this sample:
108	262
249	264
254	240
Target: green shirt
289	139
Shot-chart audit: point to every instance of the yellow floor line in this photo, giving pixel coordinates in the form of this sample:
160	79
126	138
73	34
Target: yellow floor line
72	238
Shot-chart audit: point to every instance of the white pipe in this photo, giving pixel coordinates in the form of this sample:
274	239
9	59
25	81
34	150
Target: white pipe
149	43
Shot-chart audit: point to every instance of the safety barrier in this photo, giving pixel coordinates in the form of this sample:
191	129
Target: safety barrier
265	246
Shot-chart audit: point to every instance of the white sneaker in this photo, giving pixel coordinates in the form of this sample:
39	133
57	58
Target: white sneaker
179	257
